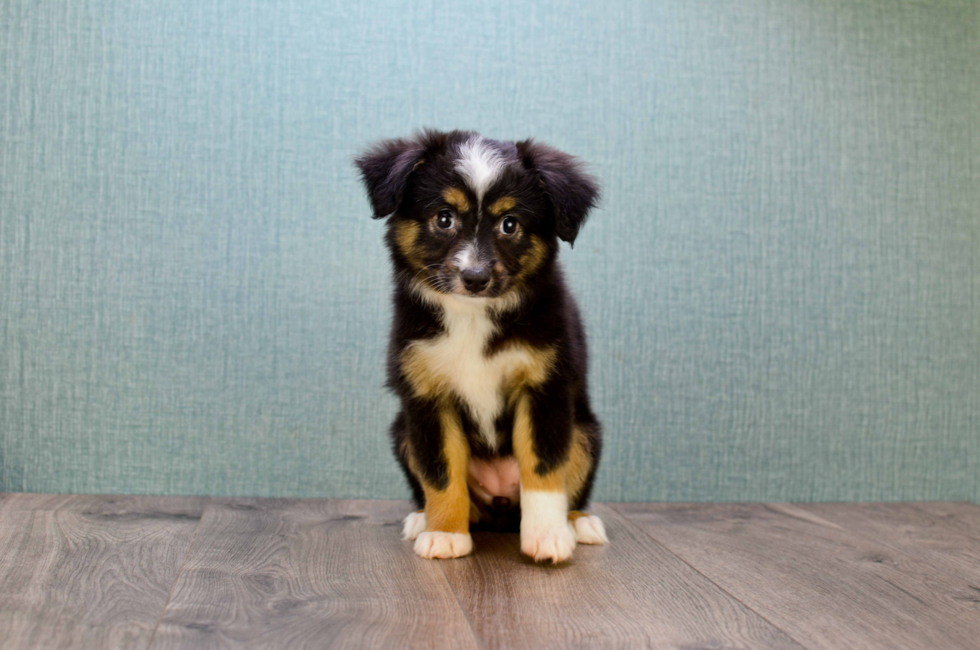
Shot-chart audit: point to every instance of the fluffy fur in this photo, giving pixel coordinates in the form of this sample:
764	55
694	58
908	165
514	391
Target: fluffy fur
487	350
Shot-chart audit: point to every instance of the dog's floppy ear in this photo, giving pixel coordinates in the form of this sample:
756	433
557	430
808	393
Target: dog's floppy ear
572	191
386	166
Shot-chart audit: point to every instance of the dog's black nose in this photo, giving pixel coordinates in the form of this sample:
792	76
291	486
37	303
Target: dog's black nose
476	278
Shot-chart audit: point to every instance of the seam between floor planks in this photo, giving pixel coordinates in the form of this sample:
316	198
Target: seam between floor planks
210	504
89	570
789	564
309	573
479	639
930	540
631	593
497	556
180	570
643	530
787	509
922	506
711	618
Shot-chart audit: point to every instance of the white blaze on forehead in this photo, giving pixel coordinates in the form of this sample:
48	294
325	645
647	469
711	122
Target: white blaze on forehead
480	164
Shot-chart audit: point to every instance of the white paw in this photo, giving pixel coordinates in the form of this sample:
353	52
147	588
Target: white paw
546	533
589	530
414	524
555	544
443	545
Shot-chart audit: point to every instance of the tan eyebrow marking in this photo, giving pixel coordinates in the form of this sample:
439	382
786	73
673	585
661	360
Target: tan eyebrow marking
502	205
455	197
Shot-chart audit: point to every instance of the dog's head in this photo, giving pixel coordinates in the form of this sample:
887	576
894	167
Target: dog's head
472	216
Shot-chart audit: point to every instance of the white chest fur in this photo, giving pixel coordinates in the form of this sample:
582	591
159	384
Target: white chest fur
457	357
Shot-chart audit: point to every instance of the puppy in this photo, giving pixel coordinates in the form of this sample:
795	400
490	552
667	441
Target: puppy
487	350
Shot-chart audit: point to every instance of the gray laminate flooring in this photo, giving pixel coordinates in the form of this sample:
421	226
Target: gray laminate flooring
188	572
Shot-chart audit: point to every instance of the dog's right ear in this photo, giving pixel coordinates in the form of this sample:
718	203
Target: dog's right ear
386	166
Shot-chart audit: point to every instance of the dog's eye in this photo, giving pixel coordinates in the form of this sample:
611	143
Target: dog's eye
508	226
445	219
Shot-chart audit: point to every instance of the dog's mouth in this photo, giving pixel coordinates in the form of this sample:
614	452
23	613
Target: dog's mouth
480	293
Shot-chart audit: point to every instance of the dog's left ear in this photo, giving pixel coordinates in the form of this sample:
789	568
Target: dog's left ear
386	166
572	190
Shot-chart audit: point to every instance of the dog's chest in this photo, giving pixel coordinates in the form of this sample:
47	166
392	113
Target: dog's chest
457	357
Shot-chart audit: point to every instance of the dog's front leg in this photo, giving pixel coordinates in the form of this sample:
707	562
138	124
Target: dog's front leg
542	441
440	457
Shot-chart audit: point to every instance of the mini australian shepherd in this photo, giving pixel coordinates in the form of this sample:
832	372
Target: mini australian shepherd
487	349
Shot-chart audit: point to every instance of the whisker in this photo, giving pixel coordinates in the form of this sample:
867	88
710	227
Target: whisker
425	268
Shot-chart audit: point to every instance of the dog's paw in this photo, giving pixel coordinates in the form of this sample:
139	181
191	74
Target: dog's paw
589	530
555	543
443	545
414	524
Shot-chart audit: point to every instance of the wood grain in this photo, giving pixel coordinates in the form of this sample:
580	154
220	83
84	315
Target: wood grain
916	532
89	572
955	515
632	593
309	574
19	502
823	585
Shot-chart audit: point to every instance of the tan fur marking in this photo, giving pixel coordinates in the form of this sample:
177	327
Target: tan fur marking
427	383
414	469
502	205
576	514
527	459
533	373
569	476
456	198
532	259
417	370
448	510
406	235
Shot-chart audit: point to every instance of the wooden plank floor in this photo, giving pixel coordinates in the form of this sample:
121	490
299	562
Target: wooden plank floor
177	572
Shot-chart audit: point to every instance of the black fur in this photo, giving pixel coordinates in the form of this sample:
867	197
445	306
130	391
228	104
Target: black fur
385	168
571	191
405	179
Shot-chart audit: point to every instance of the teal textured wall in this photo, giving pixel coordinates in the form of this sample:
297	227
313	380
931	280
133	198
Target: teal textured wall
781	285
